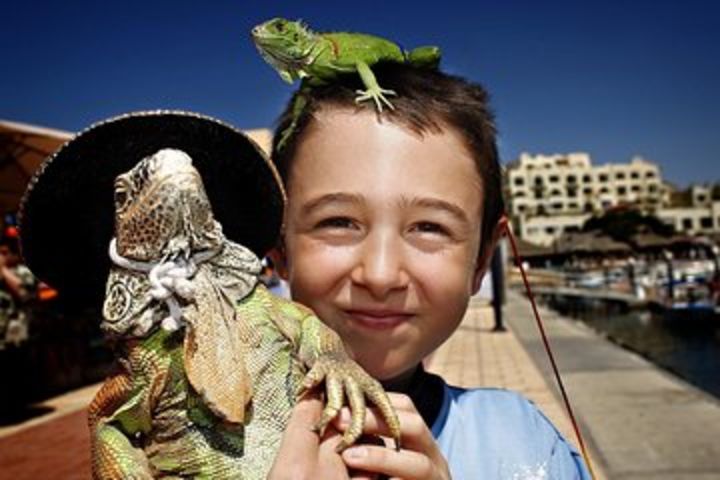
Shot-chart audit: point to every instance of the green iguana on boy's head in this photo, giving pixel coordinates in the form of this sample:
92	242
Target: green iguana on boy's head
297	52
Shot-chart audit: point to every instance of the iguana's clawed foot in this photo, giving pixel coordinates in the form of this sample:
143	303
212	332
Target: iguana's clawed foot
377	95
345	378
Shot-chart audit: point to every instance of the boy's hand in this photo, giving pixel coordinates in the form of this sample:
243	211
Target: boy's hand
420	457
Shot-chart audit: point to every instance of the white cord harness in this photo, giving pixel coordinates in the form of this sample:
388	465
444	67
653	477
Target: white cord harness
169	280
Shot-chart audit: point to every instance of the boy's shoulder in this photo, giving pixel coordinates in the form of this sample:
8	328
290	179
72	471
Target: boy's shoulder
493	407
497	430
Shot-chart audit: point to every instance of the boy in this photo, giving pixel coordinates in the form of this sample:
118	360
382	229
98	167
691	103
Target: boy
390	224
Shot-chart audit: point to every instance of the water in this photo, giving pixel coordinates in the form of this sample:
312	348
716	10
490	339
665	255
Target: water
687	347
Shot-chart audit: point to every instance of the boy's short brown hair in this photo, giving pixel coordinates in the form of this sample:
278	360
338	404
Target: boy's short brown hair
426	101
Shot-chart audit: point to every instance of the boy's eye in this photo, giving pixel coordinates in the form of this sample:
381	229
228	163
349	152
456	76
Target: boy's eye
335	222
430	227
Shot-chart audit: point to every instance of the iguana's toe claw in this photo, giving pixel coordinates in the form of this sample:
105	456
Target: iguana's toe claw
345	378
312	379
377	95
380	399
334	391
358	410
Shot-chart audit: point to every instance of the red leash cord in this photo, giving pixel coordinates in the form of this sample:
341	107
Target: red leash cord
566	400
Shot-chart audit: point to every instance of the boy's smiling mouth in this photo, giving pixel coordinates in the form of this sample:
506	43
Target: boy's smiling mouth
377	319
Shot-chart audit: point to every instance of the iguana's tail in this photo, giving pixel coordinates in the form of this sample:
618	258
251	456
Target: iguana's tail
424	57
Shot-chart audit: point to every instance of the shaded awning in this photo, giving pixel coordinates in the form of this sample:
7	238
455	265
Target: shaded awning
23	148
588	242
532	250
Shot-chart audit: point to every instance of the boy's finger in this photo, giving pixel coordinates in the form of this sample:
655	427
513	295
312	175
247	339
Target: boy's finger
299	445
405	464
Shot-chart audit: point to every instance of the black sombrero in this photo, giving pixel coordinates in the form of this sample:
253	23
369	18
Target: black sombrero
67	213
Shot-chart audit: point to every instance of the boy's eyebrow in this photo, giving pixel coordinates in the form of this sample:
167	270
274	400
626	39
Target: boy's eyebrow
437	204
337	197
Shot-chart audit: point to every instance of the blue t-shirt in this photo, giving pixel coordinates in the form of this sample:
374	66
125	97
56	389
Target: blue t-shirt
493	434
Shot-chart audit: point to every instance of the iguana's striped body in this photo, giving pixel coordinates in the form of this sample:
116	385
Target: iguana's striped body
211	398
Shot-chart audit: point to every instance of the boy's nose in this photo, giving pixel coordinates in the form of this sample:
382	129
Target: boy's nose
380	268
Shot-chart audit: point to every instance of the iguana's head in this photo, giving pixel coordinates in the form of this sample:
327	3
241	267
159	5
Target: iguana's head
286	45
161	209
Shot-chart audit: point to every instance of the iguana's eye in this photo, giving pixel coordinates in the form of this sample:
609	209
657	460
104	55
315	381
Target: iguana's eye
280	27
121	194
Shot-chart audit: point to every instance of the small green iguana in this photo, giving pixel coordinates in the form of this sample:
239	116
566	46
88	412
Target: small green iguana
210	363
297	52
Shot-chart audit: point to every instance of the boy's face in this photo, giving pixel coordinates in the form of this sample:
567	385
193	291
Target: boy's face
382	236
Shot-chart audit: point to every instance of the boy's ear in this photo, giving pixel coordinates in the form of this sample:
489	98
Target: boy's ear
484	260
277	255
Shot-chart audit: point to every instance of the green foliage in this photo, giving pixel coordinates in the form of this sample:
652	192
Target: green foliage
622	224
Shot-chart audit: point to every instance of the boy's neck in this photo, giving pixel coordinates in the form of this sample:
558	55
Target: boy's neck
426	390
402	382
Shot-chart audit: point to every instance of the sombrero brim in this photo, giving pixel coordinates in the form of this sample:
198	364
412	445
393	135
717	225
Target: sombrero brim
67	213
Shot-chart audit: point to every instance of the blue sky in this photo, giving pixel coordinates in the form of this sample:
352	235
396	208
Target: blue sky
614	79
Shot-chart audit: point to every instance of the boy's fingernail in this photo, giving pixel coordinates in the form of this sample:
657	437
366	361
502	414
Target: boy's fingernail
355	452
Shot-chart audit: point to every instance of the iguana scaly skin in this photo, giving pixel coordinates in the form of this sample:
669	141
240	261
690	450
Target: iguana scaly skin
296	52
210	363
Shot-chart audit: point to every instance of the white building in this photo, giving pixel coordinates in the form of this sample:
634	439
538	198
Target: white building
693	211
552	194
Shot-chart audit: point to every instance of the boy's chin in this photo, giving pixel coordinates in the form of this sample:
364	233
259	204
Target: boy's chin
389	374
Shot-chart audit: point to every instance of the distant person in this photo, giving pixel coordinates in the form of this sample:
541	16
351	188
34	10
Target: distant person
17	288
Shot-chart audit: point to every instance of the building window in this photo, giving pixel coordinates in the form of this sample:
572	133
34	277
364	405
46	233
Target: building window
652	188
573	205
603	177
706	222
687	224
519	181
521	208
554	179
635	188
620	175
572	191
587	190
604	190
555	191
519	194
549	230
587	178
571	179
635	175
588	207
701	198
557	206
621	190
649	174
538	181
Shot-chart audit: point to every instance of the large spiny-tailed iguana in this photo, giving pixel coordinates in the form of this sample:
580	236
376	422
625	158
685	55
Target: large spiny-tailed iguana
210	362
296	52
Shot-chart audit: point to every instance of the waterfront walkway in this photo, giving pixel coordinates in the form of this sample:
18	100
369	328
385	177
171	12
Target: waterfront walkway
639	422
